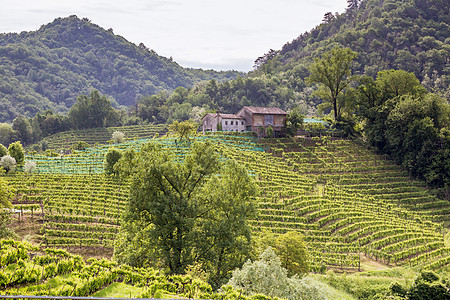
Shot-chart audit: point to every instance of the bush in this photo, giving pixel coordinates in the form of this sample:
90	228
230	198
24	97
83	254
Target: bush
80	145
8	163
16	151
111	158
3	151
118	137
30	166
266	276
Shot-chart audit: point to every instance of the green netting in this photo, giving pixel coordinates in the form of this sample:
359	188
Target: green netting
90	161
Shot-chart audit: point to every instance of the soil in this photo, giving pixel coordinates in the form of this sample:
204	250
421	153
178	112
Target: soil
29	227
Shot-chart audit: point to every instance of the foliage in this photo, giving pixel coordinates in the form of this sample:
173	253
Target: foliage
269	131
292	252
118	137
333	70
294	120
407	35
8	163
81	145
428	285
48	68
7	134
5	218
183	129
266	276
90	112
30	166
112	157
23	128
3	150
184	205
16	151
409	124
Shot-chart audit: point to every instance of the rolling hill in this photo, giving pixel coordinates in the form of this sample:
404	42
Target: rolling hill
48	68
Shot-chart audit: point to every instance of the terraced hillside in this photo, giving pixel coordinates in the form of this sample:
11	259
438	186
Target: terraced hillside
348	202
66	139
27	271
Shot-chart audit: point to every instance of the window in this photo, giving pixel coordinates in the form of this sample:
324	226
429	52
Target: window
268	120
242	123
231	122
226	122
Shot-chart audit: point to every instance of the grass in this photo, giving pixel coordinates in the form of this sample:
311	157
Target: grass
120	290
329	291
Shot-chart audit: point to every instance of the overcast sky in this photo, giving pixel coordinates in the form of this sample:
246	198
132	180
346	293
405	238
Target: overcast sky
209	34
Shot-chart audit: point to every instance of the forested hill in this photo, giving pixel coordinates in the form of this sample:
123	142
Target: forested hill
412	35
50	67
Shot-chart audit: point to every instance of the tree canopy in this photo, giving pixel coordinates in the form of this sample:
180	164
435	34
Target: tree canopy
333	70
188	211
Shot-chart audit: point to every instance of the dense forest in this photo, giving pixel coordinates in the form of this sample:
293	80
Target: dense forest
386	34
50	67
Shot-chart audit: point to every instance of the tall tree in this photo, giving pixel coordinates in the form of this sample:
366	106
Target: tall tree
333	70
185	211
90	112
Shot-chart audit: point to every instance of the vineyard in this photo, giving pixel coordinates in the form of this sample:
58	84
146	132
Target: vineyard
66	139
27	271
345	200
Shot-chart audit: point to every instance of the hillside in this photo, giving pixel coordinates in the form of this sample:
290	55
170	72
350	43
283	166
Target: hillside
411	35
48	68
347	201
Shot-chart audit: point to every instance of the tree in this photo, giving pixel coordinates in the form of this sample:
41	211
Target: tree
183	129
90	112
193	210
333	71
8	163
292	252
23	128
293	121
328	17
118	137
7	134
395	83
3	151
268	277
16	150
112	157
30	166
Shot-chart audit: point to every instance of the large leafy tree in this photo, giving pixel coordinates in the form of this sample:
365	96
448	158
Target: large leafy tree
185	211
407	123
90	111
333	71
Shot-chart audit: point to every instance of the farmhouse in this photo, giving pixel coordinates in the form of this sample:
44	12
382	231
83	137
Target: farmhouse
248	118
257	119
225	122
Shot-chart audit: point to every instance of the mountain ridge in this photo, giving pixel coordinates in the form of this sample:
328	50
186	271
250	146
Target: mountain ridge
48	68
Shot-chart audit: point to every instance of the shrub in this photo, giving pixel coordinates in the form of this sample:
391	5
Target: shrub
3	150
111	158
30	166
118	137
8	163
16	150
80	145
268	277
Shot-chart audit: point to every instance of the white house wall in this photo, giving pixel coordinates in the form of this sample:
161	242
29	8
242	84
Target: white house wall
238	125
